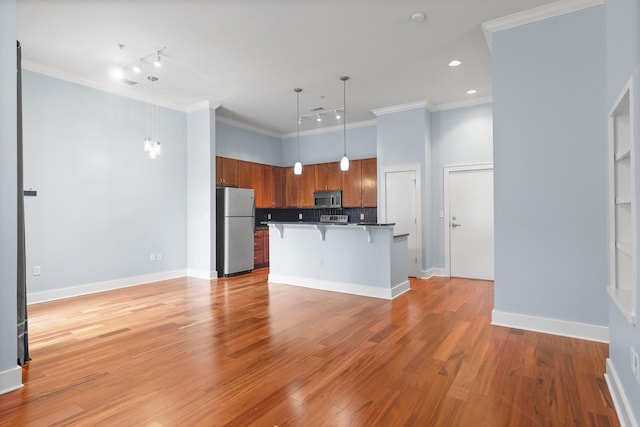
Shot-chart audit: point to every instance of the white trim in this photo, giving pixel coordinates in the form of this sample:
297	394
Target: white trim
402	107
546	325
327	129
432	272
114	88
445	191
108	285
471	102
342	287
536	14
620	400
202	274
382	194
202	105
251	128
11	380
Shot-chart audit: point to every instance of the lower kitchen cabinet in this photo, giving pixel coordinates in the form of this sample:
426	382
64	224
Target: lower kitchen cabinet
261	248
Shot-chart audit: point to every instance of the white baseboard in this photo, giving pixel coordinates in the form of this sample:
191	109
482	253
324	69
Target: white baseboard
345	288
620	400
202	274
428	274
92	288
551	326
10	380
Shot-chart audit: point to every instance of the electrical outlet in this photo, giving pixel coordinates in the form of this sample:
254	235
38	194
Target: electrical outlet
361	217
36	270
268	216
152	257
159	256
300	216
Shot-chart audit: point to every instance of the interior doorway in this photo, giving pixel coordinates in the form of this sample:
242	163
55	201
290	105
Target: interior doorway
401	205
468	204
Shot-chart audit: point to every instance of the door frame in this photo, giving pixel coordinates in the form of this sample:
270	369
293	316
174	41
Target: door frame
382	213
447	170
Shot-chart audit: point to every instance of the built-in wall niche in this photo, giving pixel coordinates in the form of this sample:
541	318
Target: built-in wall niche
623	286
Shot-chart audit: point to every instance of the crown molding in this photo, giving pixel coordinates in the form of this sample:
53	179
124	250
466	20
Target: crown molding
403	107
202	105
464	103
114	89
329	129
248	127
536	14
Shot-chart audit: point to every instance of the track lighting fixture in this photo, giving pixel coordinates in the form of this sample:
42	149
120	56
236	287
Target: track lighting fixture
157	62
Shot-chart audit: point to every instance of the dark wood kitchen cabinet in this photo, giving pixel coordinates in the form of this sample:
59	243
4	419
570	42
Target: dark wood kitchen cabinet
352	185
267	186
291	188
327	176
261	248
277	182
256	184
244	174
226	172
369	174
299	188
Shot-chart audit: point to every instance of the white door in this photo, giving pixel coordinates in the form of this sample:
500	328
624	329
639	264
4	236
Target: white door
471	223
401	209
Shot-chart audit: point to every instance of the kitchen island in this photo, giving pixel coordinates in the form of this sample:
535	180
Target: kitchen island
360	259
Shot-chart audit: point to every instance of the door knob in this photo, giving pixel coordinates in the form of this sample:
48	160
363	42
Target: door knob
453	224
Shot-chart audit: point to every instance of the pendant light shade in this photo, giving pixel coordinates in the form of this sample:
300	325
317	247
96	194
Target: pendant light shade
344	162
297	168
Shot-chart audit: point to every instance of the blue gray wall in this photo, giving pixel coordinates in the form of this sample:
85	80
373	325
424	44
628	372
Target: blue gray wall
201	220
103	206
550	168
329	146
242	144
10	374
462	136
404	138
623	63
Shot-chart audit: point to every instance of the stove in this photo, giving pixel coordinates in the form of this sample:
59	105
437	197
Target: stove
334	219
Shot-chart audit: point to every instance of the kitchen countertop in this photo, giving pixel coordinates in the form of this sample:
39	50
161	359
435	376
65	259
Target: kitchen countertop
360	224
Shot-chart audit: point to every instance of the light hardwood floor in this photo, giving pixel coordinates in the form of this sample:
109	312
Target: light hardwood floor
241	352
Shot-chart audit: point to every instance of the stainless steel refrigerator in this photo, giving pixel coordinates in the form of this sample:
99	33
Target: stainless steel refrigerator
235	209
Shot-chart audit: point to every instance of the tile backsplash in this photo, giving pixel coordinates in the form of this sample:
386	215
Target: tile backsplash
313	215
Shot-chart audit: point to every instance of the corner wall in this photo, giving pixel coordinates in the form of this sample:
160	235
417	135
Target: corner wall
550	170
623	63
10	372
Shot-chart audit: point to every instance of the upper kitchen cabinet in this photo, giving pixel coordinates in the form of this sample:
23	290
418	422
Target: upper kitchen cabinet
359	184
226	172
256	184
307	186
277	182
267	186
291	189
327	176
352	185
299	188
244	174
369	175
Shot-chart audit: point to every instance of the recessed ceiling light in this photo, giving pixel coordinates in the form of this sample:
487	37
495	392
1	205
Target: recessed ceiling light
454	63
471	91
417	17
117	73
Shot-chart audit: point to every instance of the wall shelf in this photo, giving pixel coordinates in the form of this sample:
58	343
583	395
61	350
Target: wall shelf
623	286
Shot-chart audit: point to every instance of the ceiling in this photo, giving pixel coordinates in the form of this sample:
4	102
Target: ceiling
248	55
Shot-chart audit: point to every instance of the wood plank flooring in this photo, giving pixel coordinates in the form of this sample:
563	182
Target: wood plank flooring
243	352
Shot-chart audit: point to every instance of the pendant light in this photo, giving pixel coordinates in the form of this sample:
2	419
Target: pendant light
344	162
297	168
151	142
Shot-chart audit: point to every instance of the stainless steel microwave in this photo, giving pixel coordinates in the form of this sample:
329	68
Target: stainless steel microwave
327	199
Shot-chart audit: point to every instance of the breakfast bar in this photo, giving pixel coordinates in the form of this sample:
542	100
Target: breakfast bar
360	259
